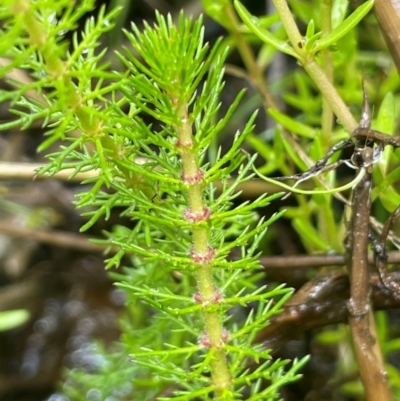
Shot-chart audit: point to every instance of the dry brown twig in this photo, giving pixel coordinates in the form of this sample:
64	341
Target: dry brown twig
387	13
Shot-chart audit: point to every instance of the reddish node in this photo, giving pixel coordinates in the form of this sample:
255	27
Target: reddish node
217	297
204	340
225	336
196	217
193	179
185	144
203	258
197	298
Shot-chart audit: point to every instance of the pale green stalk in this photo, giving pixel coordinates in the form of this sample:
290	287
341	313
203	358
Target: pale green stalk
221	377
327	66
313	69
349	185
326	221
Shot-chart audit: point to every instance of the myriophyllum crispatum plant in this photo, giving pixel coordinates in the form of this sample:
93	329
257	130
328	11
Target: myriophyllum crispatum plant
145	132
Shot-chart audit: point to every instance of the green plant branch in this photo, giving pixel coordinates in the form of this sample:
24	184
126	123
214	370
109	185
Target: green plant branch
330	93
327	67
92	126
248	58
260	83
306	59
295	38
326	219
349	185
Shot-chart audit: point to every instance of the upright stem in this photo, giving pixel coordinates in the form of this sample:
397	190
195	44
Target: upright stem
202	255
388	15
327	223
313	69
361	319
248	59
293	33
330	93
327	67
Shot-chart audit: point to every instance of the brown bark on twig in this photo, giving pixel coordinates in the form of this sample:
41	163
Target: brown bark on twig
57	238
372	371
388	15
309	261
320	302
381	258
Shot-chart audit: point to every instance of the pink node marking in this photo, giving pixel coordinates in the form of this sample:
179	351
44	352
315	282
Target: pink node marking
204	340
217	297
185	144
193	217
197	298
225	335
193	179
203	258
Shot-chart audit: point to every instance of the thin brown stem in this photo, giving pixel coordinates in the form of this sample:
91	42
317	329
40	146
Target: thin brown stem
372	371
53	237
321	302
81	242
357	244
381	257
388	15
315	261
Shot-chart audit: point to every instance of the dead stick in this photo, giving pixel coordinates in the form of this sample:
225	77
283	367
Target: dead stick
388	15
308	261
28	171
361	320
81	242
381	258
53	237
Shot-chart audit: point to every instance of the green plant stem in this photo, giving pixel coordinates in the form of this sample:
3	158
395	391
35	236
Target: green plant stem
326	218
329	226
58	69
259	82
295	190
255	73
327	66
248	58
296	39
313	69
330	93
221	377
